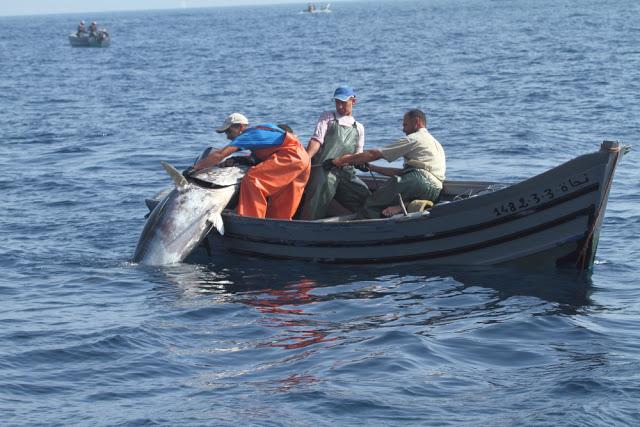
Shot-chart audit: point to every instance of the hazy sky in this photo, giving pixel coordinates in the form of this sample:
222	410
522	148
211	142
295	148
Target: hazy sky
37	7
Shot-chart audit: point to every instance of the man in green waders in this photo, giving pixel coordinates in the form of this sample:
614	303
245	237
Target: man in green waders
337	133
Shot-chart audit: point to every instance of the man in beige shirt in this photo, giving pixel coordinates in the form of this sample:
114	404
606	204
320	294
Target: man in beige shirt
420	178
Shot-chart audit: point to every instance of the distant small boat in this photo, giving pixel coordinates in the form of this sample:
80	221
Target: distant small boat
311	8
101	40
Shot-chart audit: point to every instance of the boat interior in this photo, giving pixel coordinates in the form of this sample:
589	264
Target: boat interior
452	191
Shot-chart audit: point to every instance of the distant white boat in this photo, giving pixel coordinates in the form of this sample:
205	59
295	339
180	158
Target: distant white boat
311	8
102	39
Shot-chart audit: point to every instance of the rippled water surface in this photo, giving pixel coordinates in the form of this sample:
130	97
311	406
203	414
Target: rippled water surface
510	88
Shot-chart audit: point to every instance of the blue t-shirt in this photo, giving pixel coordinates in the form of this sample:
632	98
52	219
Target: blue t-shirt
262	136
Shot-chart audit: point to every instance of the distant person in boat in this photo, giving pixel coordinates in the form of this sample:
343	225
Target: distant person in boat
336	133
420	178
93	30
81	31
102	34
274	186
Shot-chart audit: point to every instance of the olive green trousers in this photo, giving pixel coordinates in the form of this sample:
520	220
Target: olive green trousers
411	185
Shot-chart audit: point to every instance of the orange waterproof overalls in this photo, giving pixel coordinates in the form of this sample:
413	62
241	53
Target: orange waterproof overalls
273	188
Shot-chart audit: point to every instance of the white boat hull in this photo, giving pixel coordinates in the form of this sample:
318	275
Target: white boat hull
86	41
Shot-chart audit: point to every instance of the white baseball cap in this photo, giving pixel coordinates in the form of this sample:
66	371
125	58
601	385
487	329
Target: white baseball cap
233	119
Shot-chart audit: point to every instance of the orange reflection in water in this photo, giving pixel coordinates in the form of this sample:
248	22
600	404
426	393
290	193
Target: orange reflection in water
298	332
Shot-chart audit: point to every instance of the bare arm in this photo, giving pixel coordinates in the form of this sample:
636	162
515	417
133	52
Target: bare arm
384	170
366	156
215	157
357	159
313	147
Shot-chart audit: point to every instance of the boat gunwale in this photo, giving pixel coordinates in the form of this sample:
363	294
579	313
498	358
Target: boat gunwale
440	208
404	239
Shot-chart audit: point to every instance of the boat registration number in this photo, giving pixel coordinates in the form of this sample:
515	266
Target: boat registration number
539	197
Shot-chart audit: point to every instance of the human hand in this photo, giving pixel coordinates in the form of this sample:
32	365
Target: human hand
328	164
238	161
364	167
228	163
243	161
188	171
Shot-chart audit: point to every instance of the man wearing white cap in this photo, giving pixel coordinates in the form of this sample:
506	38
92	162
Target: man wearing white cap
337	133
234	124
273	187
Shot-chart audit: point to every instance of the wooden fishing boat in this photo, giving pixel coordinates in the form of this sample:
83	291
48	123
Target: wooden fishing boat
549	220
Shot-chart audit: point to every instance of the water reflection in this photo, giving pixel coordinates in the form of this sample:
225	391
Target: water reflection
281	278
567	289
283	327
308	304
282	308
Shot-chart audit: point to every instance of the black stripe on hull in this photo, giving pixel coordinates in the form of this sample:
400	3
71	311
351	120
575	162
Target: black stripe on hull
445	253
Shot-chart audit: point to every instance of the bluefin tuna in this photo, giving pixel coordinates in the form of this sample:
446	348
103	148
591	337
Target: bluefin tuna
183	218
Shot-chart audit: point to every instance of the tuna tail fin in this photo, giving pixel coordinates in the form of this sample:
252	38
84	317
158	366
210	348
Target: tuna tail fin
216	220
175	174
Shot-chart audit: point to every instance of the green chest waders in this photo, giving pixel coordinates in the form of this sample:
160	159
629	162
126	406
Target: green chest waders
339	183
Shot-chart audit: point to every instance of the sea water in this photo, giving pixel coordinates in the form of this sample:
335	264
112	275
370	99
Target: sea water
510	88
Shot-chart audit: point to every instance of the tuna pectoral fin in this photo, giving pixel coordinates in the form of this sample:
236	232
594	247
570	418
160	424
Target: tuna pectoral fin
216	220
175	174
